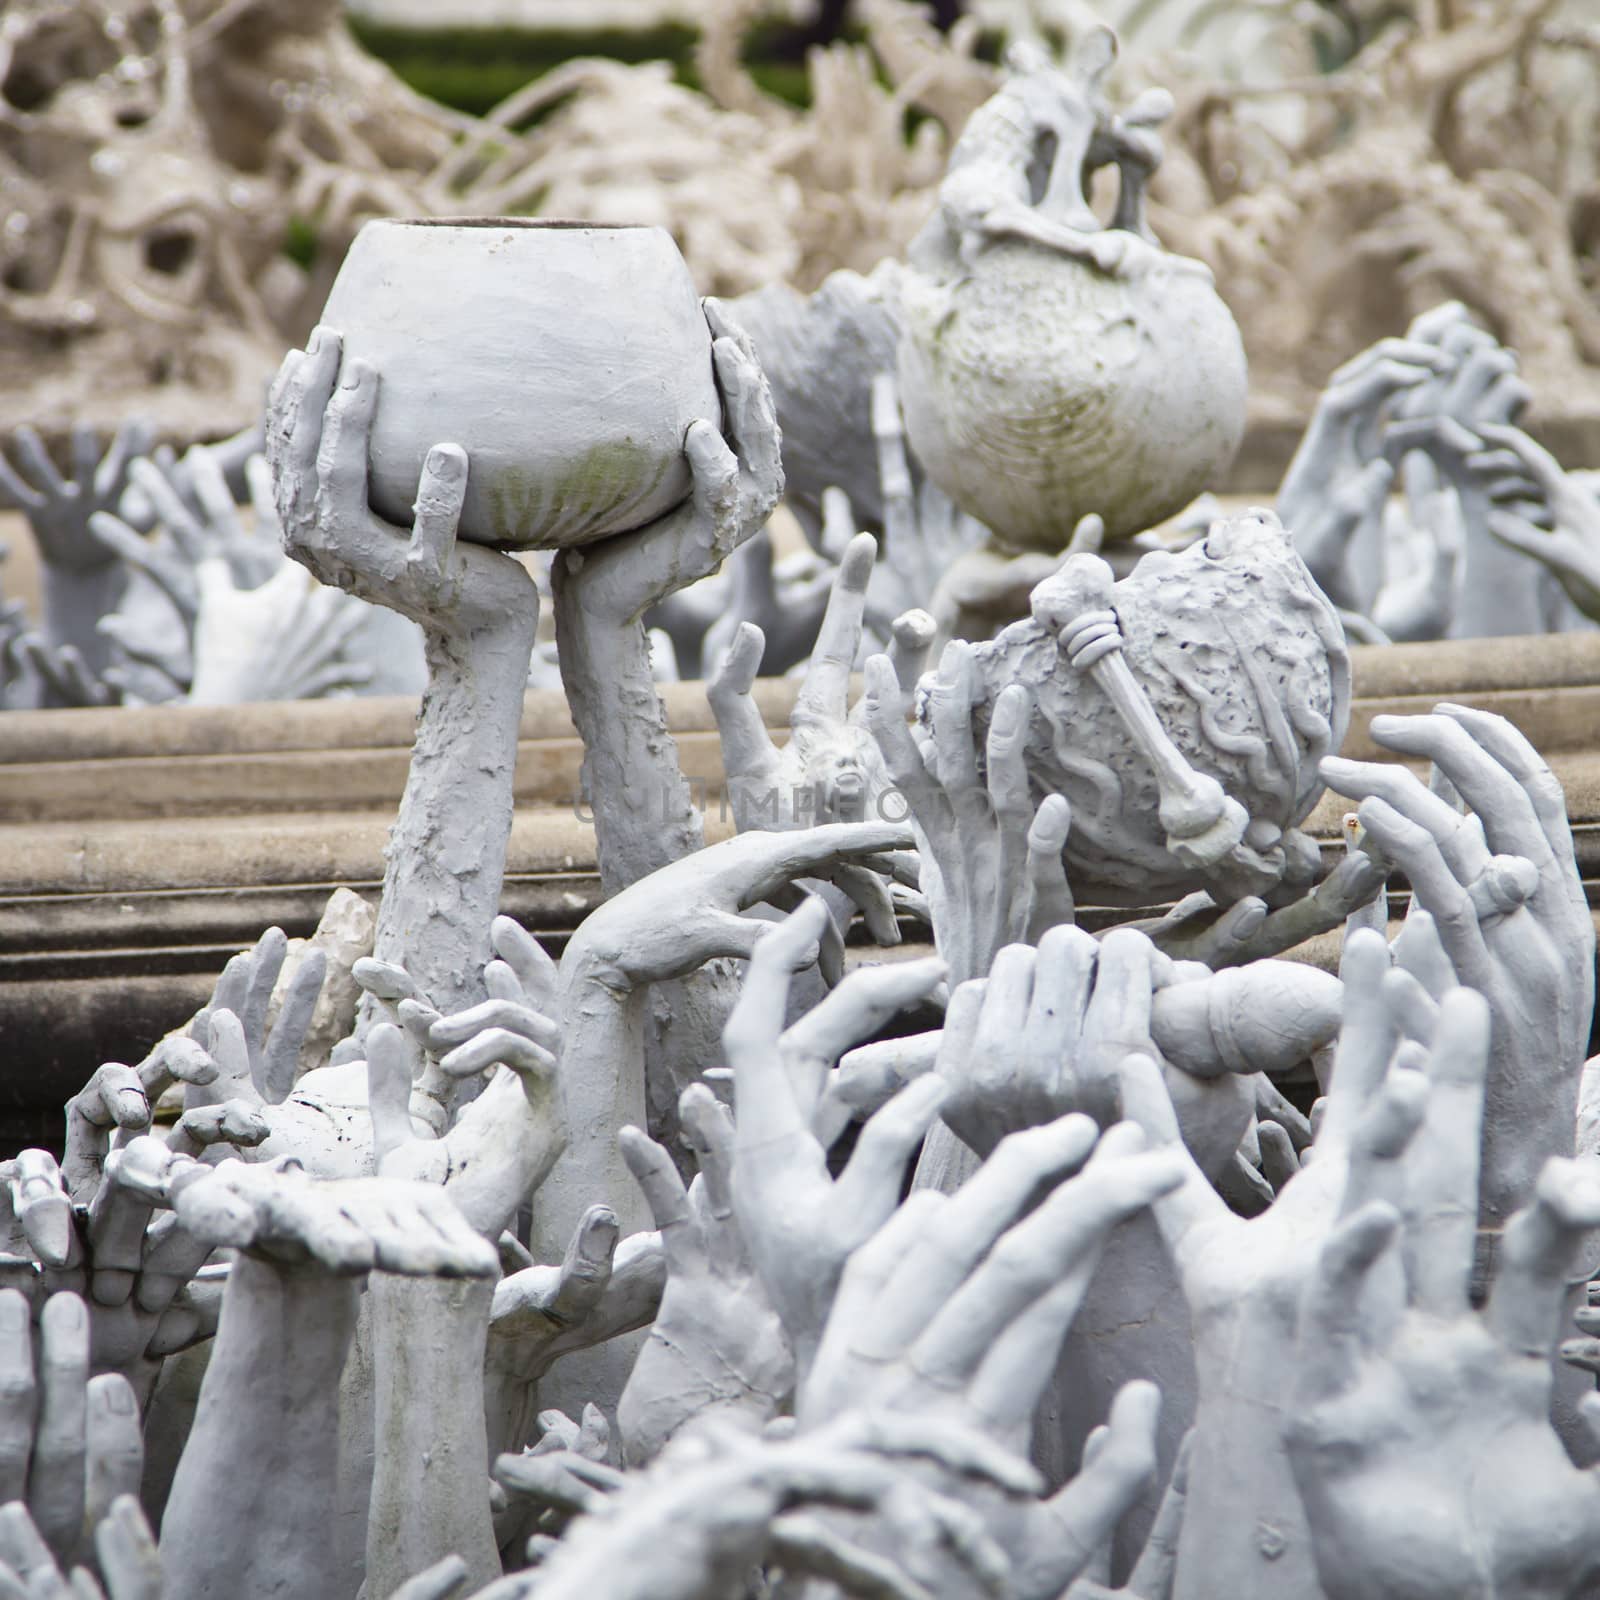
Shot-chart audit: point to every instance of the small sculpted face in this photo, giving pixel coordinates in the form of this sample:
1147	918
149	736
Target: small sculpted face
841	770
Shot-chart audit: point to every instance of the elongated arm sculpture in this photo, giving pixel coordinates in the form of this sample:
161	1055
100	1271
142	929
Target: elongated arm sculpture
1242	1280
82	580
1420	1438
1505	896
478	611
666	925
643	808
265	1525
716	1347
428	1336
798	1221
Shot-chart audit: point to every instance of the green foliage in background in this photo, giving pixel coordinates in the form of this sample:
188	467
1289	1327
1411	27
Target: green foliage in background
474	69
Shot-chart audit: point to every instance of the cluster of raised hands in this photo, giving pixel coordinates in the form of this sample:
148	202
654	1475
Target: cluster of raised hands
1421	507
162	579
709	1260
284	1310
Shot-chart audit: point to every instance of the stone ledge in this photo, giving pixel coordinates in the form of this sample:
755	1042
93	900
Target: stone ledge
139	848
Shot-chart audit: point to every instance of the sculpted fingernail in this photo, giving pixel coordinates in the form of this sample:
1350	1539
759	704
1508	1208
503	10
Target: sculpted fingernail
118	1398
67	1311
1007	715
13	1313
444	463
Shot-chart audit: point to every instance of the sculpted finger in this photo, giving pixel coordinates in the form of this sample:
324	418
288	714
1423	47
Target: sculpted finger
1383	1133
824	695
1116	1020
1408	795
1418	950
440	1581
748	750
115	1445
383	980
804	1544
230	1051
869	1187
950	713
56	1475
389	1068
1333	1329
497	1047
441	493
505	1015
768	1109
281	1057
859	1006
1502	804
303	405
1440	1235
1049	894
911	638
708	1129
1536	1257
753	867
1061	1239
1543	467
1415	851
176	1059
234	1122
1088	1509
18	1395
586	1267
126	1548
1511	749
41	1205
885	717
933	1266
658	1178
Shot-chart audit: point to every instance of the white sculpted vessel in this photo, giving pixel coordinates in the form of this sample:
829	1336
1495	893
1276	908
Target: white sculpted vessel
1050	366
570	358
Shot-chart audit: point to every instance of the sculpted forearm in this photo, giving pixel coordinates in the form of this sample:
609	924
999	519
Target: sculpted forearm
251	1508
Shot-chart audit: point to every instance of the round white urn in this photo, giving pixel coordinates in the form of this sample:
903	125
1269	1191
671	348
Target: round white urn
567	359
1038	388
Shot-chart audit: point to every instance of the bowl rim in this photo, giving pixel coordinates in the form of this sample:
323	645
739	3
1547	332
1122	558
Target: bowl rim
530	223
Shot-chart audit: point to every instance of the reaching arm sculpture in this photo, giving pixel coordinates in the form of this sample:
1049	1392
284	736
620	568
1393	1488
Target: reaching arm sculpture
1504	894
82	580
478	611
287	1319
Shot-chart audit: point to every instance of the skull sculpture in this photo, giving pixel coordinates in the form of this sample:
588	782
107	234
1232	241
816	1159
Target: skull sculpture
1181	711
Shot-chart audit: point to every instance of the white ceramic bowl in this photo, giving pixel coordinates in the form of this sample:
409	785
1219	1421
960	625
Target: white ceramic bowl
566	358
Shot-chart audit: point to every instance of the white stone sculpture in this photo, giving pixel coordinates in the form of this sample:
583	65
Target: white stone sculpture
1019	419
1025	1270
